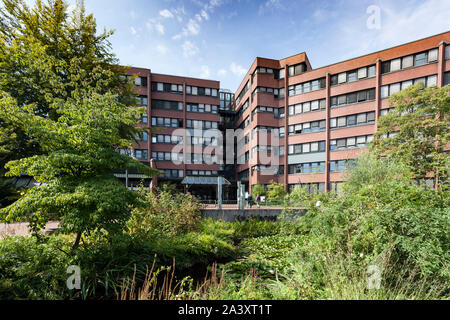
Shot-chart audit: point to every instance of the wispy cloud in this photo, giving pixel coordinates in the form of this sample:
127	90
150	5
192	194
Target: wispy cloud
193	26
189	49
270	6
162	49
222	72
166	14
205	72
237	70
153	25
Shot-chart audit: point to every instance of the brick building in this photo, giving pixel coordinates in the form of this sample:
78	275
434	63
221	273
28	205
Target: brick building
319	119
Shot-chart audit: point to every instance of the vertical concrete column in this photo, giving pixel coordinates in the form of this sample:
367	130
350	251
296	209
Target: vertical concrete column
327	142
378	90
441	64
286	124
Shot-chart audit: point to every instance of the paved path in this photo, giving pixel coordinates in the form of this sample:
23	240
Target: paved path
21	228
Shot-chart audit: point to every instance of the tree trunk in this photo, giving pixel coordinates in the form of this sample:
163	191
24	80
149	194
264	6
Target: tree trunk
77	241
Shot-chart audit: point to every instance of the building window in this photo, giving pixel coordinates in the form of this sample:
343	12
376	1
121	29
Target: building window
167	122
355	97
446	77
302	168
388	90
141	154
307	147
351	142
447	52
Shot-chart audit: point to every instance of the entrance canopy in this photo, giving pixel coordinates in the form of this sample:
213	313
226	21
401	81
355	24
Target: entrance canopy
209	181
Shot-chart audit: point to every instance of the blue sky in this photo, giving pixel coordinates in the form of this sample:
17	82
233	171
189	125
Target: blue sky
219	39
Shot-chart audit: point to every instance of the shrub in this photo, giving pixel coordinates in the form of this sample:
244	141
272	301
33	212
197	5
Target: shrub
164	214
32	268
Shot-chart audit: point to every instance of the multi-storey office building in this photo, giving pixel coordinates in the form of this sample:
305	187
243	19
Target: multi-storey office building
325	117
318	120
177	109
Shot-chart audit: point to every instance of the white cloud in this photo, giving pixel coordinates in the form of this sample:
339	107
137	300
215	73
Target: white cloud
189	49
206	72
270	6
166	14
133	31
238	70
153	25
222	72
191	29
162	49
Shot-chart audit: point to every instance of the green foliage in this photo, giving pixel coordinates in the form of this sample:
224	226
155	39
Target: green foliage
276	192
164	214
32	268
50	59
420	119
258	189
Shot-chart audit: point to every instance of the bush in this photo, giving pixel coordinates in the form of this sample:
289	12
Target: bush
164	214
32	268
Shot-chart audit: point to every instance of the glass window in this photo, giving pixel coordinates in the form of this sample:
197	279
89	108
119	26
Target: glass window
351	120
372	71
361	118
361	140
396	64
333	123
371	117
351	142
342	77
407	62
352	76
420	59
160	86
307	87
306	148
306	107
394	88
384	92
362	73
342	121
432	81
342	100
315	147
334	80
315	105
447	52
433	55
406	84
351	98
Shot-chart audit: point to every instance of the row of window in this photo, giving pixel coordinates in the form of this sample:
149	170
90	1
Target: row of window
307	87
278	132
142	137
301	168
354	97
167	105
202	108
307	107
269	170
310	147
277	73
415	60
341	165
167	156
353	120
311	188
167	139
199	158
141	154
296	69
350	143
201	124
199	91
167	122
142	100
354	75
242	93
278	93
167	87
388	90
173	174
278	112
138	81
204	141
202	173
307	127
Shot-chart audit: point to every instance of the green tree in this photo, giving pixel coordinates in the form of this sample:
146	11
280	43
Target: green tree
49	55
276	192
416	132
75	169
258	189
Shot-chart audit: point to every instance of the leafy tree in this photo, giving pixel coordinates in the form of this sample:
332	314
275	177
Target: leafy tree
421	133
75	170
276	192
258	189
49	55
